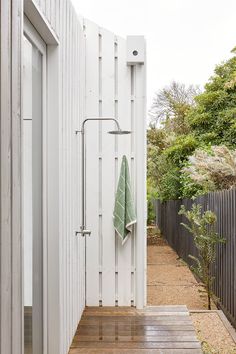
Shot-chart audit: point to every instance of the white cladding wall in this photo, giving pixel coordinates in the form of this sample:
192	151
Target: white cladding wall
112	88
111	91
51	10
66	265
71	112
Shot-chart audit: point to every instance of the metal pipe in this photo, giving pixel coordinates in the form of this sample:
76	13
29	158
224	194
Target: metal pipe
98	119
83	231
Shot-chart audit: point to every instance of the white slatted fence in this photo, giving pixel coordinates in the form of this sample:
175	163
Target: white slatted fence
111	91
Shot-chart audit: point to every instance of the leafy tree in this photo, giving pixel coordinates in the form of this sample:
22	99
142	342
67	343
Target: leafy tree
181	147
167	154
167	183
213	119
171	106
202	227
184	122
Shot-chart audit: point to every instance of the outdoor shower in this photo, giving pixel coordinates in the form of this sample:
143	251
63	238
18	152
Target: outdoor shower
83	231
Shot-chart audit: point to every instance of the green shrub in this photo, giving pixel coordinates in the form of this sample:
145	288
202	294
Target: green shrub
202	227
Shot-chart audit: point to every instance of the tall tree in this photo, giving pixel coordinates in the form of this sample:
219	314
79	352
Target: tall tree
213	119
171	106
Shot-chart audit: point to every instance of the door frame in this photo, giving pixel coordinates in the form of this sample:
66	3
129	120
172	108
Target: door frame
41	32
31	34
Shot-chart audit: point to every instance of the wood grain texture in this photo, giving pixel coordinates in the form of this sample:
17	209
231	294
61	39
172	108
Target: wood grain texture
128	330
135	351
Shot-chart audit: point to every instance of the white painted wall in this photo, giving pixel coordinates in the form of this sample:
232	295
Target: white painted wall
65	252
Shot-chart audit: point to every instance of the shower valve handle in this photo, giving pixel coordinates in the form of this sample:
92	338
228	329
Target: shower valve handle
83	232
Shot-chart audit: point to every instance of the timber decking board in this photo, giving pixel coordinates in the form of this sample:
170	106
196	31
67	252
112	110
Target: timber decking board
134	351
161	329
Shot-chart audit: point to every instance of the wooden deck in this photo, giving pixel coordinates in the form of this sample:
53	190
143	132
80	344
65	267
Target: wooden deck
159	329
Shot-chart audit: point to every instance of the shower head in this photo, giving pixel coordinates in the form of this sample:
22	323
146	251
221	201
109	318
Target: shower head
119	132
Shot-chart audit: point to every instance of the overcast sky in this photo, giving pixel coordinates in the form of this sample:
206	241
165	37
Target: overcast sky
185	38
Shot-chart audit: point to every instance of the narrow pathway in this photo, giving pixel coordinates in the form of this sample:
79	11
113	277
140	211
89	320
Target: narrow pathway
161	329
170	282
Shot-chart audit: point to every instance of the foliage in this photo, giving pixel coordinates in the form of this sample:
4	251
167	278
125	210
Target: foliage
171	106
213	119
212	171
189	129
151	195
166	156
167	179
188	188
180	149
202	227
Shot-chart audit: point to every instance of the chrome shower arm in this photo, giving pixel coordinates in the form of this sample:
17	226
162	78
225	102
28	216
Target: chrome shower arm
97	119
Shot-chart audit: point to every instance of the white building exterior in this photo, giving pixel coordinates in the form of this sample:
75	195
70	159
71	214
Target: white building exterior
84	71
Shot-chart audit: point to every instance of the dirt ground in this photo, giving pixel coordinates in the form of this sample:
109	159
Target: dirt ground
170	282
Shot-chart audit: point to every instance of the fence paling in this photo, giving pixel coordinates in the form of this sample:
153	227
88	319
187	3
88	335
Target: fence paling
223	204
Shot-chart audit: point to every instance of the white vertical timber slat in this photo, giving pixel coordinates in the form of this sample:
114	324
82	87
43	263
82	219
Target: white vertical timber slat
76	177
70	169
92	168
82	94
80	268
74	239
140	137
53	328
48	10
17	276
57	25
5	187
42	5
65	216
10	179
124	89
67	129
62	185
73	181
68	175
53	14
108	239
133	180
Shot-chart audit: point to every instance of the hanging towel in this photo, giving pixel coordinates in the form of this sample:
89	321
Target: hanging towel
124	213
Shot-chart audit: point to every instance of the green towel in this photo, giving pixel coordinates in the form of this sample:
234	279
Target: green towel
124	213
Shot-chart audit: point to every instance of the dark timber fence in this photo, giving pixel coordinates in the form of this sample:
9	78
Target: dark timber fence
223	204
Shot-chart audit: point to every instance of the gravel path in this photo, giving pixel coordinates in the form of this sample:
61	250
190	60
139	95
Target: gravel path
170	282
212	334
